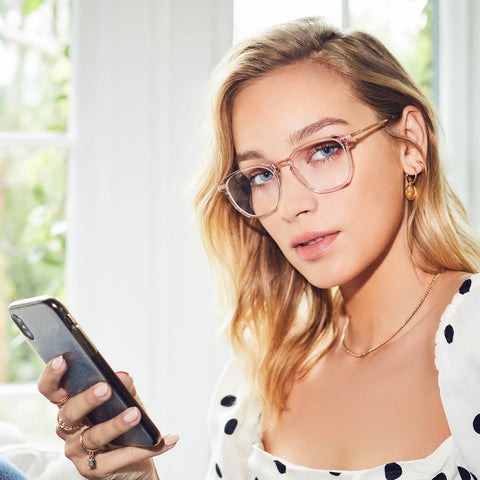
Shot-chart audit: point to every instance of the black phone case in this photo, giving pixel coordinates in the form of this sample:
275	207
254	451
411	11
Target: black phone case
55	333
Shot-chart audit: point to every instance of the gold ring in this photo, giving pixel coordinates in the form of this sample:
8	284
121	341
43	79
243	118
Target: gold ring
63	401
91	451
65	427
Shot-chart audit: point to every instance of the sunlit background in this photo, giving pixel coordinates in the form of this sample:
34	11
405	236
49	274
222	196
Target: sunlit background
66	119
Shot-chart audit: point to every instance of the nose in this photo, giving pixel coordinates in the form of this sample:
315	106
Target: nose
295	198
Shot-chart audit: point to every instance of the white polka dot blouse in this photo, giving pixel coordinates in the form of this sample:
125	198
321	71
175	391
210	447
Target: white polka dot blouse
235	425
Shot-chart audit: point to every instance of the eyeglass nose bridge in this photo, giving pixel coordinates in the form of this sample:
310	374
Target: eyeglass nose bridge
288	162
284	163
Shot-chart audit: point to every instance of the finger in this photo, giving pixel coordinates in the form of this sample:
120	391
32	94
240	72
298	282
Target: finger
121	458
100	435
49	382
127	380
75	410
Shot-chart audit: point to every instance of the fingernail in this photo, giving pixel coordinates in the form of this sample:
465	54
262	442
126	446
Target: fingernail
101	390
170	440
125	373
131	415
57	362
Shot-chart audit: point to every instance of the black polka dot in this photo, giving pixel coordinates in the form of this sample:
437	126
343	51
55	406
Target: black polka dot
476	423
217	469
465	288
228	401
393	471
473	476
335	474
440	476
230	426
280	466
464	474
449	333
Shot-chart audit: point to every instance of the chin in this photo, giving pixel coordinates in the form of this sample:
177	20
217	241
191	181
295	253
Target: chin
323	283
332	272
322	277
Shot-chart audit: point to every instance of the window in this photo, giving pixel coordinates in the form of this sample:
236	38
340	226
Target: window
405	27
34	150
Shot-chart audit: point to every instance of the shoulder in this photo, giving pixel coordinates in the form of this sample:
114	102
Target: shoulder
234	423
461	318
457	357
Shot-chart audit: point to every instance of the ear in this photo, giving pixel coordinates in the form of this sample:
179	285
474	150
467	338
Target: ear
412	126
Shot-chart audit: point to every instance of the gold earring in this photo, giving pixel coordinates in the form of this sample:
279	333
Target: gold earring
411	190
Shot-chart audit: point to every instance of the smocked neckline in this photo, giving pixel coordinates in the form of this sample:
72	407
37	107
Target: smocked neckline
440	454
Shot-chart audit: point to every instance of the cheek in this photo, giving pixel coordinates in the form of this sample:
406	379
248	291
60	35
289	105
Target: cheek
373	211
274	228
376	193
378	204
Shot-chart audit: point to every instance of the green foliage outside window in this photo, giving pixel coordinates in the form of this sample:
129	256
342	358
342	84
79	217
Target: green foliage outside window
420	62
35	73
406	28
34	88
32	245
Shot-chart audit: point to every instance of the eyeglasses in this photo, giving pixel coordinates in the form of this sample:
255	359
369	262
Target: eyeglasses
322	165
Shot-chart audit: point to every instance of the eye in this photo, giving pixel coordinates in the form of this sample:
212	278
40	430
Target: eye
325	151
259	177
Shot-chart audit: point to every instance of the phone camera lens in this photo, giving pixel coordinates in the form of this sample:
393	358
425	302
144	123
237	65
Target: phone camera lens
21	325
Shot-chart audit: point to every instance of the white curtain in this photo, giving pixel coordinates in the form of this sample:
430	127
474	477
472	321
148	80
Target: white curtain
460	98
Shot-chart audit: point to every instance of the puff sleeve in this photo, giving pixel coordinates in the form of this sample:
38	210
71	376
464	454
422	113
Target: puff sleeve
234	425
457	358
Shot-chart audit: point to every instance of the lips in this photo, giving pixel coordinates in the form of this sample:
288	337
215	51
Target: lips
312	245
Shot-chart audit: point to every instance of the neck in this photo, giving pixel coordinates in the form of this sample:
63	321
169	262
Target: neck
378	302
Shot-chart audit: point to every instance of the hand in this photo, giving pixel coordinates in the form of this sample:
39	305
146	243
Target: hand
112	463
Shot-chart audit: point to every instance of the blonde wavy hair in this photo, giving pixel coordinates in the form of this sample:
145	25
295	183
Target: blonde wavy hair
280	324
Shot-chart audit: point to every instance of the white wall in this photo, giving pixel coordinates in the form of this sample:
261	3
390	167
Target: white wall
137	279
460	98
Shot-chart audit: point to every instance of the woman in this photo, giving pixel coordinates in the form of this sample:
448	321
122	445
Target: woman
349	265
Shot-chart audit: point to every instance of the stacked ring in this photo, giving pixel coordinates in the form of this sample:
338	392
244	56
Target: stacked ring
91	451
63	401
65	427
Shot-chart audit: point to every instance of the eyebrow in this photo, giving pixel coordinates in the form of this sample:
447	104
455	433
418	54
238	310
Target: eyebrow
248	155
294	138
304	132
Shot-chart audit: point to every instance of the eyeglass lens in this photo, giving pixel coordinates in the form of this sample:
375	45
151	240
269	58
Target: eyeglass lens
322	167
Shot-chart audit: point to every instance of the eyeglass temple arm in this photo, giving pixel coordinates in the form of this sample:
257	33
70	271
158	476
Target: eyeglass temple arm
381	123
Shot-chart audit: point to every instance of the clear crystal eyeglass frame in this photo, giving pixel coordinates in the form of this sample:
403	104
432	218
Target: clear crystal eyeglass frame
274	168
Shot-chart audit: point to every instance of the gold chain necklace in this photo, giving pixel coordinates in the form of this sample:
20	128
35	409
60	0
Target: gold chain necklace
359	355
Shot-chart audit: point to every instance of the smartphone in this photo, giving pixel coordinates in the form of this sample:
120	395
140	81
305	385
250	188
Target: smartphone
51	331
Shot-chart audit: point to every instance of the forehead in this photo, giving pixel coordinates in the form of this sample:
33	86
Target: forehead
278	104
